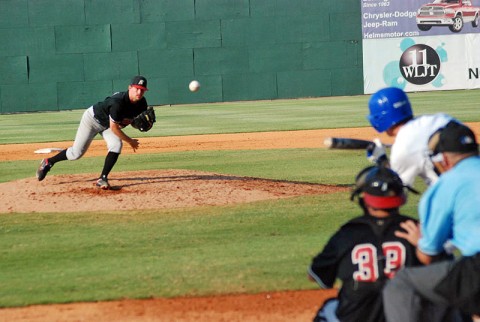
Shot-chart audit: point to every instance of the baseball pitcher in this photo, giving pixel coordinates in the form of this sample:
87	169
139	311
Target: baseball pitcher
108	118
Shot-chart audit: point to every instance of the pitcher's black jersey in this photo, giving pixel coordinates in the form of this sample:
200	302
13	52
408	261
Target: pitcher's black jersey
119	108
363	254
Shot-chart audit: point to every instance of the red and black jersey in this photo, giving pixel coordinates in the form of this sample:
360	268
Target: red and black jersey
363	254
119	108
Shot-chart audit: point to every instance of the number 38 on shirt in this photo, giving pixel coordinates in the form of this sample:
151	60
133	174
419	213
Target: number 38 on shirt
365	256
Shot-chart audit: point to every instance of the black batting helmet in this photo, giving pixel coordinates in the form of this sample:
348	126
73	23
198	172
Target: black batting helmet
379	187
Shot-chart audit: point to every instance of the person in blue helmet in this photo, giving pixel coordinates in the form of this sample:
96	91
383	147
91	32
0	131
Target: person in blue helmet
391	112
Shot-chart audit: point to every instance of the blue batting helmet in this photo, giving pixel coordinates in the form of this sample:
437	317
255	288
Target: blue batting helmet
388	107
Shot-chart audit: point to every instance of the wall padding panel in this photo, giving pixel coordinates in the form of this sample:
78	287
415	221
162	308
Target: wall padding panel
221	61
83	39
166	62
13	13
288	7
276	58
126	37
346	26
344	6
344	81
304	83
108	66
100	12
299	29
211	91
167	10
56	12
221	9
80	95
249	32
193	34
13	70
29	97
27	41
339	54
239	87
56	68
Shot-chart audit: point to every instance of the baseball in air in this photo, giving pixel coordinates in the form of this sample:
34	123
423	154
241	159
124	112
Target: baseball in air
194	86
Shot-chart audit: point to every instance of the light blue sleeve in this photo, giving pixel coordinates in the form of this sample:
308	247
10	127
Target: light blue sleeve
436	215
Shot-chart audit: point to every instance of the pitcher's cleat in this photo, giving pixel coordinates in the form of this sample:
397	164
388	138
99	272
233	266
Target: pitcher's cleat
103	184
43	169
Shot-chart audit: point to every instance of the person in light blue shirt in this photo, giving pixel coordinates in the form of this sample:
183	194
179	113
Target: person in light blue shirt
450	210
449	213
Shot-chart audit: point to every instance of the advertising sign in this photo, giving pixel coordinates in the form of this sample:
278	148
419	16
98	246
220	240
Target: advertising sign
419	45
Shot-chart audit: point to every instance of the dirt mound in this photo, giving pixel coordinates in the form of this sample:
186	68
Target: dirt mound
143	190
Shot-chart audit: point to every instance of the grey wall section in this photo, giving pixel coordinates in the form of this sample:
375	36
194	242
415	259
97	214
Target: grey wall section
69	54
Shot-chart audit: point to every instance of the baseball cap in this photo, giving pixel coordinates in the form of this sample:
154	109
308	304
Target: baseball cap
139	82
454	137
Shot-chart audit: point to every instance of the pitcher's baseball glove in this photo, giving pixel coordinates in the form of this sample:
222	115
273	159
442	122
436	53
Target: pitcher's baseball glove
144	121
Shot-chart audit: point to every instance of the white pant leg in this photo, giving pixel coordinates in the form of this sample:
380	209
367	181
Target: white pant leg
114	143
86	132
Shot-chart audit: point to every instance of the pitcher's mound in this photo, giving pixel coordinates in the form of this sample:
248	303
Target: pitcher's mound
142	190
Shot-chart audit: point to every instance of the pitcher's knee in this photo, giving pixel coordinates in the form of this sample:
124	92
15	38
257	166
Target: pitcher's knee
116	148
73	154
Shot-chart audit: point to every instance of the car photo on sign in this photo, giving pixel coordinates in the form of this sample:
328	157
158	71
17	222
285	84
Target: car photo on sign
453	14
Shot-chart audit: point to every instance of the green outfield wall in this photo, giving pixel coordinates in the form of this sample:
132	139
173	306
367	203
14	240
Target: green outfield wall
69	54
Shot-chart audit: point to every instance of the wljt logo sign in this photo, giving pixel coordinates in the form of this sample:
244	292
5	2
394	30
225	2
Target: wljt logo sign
419	64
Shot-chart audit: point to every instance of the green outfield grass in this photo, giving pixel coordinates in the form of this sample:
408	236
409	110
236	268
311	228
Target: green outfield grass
280	115
260	246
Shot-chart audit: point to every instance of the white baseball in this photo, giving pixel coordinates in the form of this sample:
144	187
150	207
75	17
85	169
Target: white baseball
194	86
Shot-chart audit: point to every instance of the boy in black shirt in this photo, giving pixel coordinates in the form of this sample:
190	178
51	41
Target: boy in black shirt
365	252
